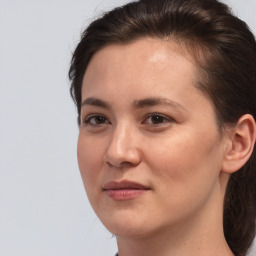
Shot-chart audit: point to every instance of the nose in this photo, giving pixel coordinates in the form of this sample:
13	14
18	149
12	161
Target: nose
123	149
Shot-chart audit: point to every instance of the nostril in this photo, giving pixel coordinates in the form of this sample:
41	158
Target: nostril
120	165
109	164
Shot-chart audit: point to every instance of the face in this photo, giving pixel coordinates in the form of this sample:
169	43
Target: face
149	149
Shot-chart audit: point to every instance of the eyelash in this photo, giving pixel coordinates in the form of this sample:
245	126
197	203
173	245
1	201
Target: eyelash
88	119
162	118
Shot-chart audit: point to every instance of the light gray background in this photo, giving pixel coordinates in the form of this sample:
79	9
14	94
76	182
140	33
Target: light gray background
43	206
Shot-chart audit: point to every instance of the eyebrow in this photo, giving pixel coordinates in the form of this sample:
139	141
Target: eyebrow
148	102
96	102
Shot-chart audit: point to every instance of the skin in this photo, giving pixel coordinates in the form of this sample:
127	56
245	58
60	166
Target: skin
172	146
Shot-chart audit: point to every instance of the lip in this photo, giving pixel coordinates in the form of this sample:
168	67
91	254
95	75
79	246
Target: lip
124	190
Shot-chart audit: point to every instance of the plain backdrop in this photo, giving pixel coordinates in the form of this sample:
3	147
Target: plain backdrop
43	206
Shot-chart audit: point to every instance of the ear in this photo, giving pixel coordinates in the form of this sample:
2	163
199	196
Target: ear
240	144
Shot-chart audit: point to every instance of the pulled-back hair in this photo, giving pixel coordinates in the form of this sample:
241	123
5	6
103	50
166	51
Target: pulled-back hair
224	52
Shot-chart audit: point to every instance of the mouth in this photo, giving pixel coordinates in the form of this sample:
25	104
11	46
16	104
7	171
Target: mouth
124	190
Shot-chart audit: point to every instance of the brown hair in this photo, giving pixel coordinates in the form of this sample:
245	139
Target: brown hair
224	51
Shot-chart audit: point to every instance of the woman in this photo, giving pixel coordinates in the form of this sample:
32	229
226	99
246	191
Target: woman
165	92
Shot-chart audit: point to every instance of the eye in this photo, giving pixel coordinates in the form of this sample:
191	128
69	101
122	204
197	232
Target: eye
95	120
156	119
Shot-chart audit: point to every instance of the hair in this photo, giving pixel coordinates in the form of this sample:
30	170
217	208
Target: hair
224	51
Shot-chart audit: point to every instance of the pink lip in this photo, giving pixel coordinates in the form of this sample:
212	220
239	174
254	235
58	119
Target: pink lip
124	190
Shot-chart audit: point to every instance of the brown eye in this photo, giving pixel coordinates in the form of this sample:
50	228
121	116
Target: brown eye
96	120
156	119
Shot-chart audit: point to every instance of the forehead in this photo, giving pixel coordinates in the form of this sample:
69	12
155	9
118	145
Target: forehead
143	61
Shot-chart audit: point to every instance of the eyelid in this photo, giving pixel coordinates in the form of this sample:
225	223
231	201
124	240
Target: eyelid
86	120
167	119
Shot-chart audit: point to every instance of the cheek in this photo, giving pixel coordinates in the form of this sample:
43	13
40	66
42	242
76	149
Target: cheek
186	164
90	159
183	183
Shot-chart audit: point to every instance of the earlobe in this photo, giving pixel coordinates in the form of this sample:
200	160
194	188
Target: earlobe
241	144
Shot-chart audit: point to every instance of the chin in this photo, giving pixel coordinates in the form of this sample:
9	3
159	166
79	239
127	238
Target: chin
126	224
129	231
